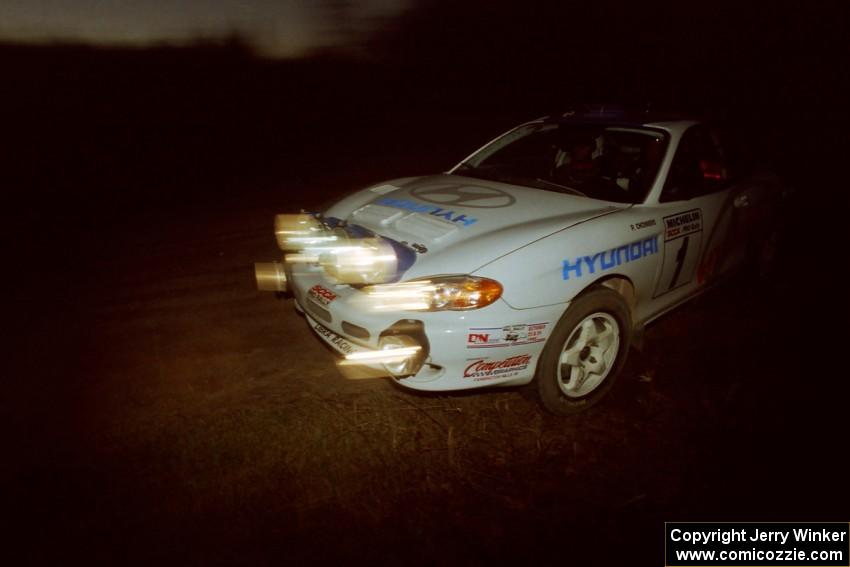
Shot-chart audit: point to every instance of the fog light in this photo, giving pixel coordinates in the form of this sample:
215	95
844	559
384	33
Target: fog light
402	366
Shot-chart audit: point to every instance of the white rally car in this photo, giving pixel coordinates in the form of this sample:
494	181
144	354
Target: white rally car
541	256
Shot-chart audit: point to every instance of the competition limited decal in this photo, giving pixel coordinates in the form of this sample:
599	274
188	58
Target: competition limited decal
487	369
509	335
320	294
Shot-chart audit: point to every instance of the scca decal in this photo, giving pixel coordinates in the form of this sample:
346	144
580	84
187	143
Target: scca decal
429	209
606	260
321	294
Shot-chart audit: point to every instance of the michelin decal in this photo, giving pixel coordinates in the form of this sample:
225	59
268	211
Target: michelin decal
683	224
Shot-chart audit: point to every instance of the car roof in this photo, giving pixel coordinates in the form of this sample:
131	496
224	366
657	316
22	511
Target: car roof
615	115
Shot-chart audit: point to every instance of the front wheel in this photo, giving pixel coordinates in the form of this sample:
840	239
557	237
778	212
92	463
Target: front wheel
585	352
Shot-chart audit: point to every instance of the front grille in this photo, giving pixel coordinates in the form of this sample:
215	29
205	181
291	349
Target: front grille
318	312
355	331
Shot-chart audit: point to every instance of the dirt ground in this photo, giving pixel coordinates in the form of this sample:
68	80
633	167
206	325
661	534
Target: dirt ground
161	409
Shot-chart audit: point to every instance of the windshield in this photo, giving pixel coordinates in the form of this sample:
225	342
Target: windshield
610	163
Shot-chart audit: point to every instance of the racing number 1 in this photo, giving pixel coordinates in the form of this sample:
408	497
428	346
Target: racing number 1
680	259
682	245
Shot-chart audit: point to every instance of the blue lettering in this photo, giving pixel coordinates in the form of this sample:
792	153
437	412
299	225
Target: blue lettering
625	252
444	214
589	261
572	267
615	257
464	220
647	246
416	207
430	209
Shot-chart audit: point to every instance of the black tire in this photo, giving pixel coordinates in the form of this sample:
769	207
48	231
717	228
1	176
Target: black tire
605	309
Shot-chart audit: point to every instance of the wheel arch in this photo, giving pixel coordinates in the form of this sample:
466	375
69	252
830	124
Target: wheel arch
619	283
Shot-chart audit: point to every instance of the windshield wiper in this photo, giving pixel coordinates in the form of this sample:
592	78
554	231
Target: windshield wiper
468	170
560	187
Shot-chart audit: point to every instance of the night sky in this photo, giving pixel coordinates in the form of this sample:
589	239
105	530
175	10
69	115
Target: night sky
279	28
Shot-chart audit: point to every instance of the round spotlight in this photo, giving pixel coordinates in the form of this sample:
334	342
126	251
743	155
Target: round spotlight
403	366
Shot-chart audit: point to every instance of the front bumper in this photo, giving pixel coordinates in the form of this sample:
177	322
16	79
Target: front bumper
496	345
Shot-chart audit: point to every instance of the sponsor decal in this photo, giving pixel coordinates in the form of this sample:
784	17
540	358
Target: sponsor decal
676	226
432	210
486	369
682	248
606	260
321	294
334	339
643	224
471	196
478	338
509	335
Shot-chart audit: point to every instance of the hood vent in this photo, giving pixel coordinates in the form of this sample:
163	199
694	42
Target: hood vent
376	215
410	225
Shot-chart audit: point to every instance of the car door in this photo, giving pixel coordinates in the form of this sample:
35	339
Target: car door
697	212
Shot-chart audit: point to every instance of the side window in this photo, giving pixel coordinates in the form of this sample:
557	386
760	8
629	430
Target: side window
697	169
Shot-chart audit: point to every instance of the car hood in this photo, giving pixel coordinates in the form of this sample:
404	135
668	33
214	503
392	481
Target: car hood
459	224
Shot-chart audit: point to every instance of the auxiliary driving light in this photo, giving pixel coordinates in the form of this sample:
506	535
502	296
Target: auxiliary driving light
299	231
270	276
360	261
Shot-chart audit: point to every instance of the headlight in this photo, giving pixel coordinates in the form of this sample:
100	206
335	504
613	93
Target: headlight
445	293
